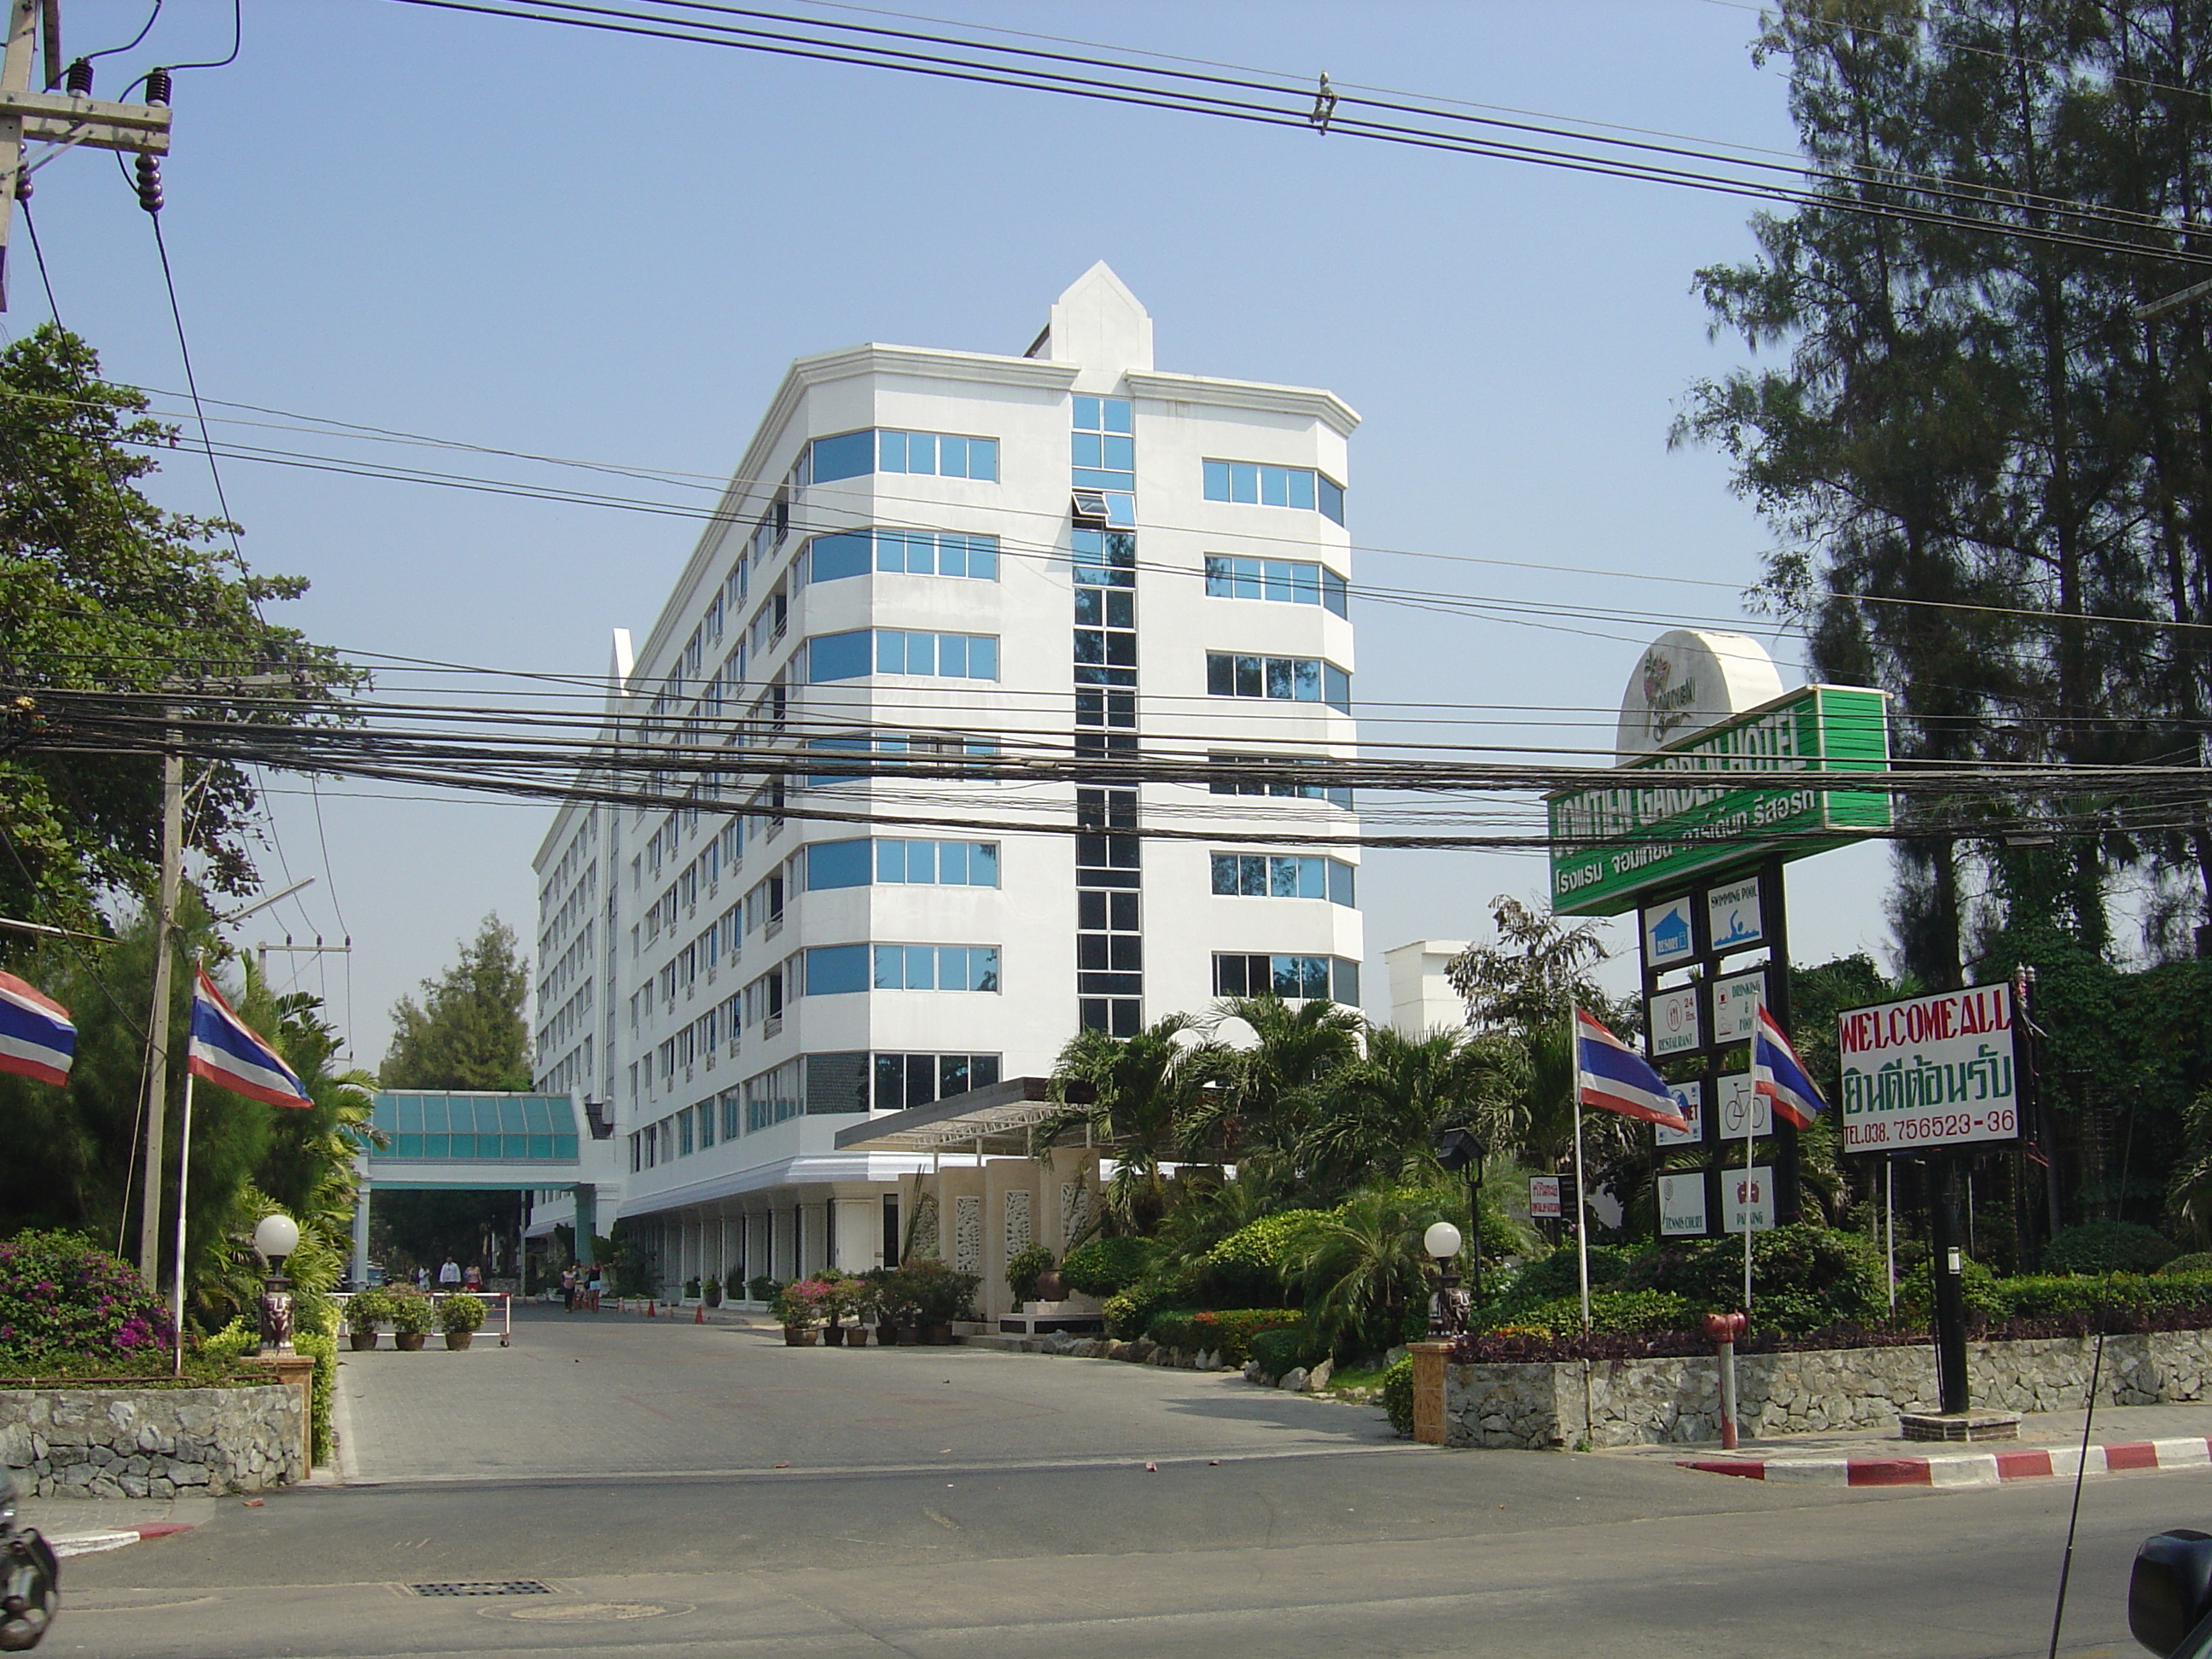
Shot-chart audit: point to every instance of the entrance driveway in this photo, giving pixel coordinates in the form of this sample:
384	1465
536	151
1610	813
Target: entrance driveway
604	1395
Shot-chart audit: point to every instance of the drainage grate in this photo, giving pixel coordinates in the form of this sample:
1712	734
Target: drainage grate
506	1586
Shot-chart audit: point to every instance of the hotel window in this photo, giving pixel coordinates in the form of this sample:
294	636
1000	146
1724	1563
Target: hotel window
1283	679
908	552
1285	582
938	455
907	1080
1276	875
1259	485
1238	975
936	967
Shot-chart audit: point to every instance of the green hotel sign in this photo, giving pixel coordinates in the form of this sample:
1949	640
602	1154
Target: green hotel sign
1674	813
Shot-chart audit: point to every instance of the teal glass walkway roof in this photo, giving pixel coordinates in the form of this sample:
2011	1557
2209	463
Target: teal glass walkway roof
469	1129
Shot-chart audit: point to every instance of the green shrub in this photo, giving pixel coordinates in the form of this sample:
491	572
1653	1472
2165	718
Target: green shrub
231	1343
2197	1261
1557	1275
1226	1332
1805	1278
367	1310
1257	1264
2053	1295
1288	1346
1130	1312
410	1311
938	1293
1024	1268
323	1351
1915	1290
64	1298
1398	1395
2107	1247
1611	1312
761	1288
460	1313
1105	1266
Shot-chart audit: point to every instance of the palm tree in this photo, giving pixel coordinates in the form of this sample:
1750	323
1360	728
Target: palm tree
1381	1115
1135	1094
1366	1265
1267	1089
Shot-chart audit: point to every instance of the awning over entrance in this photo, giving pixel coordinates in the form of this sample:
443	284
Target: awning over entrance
475	1140
1000	1119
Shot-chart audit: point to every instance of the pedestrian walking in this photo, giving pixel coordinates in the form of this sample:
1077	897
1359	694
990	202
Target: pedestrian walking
449	1276
472	1277
568	1288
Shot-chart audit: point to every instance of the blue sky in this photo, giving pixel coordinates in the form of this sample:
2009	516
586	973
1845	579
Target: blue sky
549	240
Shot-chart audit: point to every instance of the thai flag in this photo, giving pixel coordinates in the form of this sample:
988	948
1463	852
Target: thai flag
1610	1074
1780	1074
226	1052
37	1037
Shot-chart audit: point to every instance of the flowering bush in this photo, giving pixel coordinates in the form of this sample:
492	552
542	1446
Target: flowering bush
798	1305
64	1300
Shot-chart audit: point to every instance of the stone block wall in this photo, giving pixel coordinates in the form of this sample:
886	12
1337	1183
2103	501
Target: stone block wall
1629	1402
150	1443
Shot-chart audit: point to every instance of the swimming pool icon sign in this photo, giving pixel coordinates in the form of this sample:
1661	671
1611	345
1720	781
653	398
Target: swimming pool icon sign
1733	916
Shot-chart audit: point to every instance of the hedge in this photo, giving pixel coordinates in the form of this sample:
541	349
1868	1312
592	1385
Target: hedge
1256	1265
2107	1247
1398	1395
1287	1348
1227	1331
1106	1266
1611	1311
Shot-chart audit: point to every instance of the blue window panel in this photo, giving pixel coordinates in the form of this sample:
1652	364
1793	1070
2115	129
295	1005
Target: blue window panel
1119	414
1337	687
890	452
890	968
951	862
983	657
837	657
1335	592
1305	676
510	1116
1224	872
952	456
1217	481
835	969
540	1146
952	656
833	864
407	1145
1283	879
921	862
983	459
1243	483
440	1146
1275	580
1274	486
1087	415
1301	488
891	860
849	455
822	780
983	864
891	652
834	557
1086	449
1332	507
920	967
1340	882
1121	454
1346	973
1252	875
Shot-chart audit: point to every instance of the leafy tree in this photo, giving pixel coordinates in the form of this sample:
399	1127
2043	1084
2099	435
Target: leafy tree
1269	1091
1381	1112
1137	1094
105	601
471	1029
1536	973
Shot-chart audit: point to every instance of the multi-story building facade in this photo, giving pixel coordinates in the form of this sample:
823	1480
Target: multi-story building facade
938	580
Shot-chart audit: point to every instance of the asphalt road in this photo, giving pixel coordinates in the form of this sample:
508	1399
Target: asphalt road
1297	1532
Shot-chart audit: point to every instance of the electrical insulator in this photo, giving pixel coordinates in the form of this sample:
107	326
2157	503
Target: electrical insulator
150	184
157	86
22	184
78	79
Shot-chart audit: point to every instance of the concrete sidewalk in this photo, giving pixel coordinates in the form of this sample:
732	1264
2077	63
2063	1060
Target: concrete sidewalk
86	1526
2122	1439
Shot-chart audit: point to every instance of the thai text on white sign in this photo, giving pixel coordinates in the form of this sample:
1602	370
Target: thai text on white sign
1931	1071
1544	1197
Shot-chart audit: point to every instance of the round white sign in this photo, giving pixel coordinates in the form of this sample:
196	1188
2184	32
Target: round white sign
1688	679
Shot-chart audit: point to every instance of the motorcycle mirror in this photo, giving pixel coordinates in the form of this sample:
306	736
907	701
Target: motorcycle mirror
2170	1592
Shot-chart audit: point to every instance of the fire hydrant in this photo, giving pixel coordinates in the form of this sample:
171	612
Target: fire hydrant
1724	1328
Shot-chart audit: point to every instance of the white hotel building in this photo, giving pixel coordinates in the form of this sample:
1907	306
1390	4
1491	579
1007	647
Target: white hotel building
962	563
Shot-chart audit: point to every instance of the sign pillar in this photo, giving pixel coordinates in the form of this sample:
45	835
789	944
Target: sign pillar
1950	1288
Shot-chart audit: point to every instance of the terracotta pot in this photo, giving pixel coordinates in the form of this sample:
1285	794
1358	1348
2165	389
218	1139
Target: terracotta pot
363	1339
459	1339
833	1337
795	1338
858	1338
408	1341
1050	1288
887	1335
714	1299
937	1336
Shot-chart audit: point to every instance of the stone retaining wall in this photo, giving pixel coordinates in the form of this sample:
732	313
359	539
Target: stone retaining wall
1664	1402
150	1443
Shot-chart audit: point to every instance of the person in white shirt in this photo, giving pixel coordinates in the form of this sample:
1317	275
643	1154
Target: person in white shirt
450	1272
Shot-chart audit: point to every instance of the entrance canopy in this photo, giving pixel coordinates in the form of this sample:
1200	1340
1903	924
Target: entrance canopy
1000	1119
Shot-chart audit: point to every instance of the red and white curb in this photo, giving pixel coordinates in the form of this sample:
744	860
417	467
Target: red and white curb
1984	1468
91	1543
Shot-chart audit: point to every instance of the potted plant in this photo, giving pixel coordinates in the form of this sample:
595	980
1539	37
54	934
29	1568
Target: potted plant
762	1288
409	1309
713	1292
795	1307
459	1317
938	1295
692	1288
1025	1268
365	1310
840	1296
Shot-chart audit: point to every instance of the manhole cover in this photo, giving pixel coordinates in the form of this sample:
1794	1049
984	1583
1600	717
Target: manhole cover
584	1612
487	1587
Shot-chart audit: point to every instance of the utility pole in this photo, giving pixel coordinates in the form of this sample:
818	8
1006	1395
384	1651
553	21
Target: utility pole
64	119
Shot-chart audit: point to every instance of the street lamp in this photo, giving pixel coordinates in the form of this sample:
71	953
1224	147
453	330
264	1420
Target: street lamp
1442	1240
276	1235
1462	1149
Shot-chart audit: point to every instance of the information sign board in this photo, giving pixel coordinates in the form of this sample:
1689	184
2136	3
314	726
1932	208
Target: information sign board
1665	816
1682	1205
1690	1101
1747	1199
1733	916
1735	1006
1673	1022
1739	1100
1544	1197
1931	1071
1667	932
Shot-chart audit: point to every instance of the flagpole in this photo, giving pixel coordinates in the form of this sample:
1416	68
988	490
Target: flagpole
184	1179
1582	1210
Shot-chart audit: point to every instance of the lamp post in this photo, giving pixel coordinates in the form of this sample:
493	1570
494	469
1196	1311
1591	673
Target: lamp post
276	1235
1446	1317
1462	1149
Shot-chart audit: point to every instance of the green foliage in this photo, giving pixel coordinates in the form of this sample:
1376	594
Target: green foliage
2198	1262
1137	1095
1024	1268
64	1298
1978	1288
471	1029
460	1313
1398	1395
1551	1277
1804	1278
366	1309
2055	1296
797	1306
1286	1347
935	1291
1366	1272
761	1288
1260	1264
1624	1312
1227	1331
412	1314
2107	1247
322	1387
1106	1266
1129	1313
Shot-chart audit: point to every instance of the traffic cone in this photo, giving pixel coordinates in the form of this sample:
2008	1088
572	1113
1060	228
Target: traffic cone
651	1309
699	1315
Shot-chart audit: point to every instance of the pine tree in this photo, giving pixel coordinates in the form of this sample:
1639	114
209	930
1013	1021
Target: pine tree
471	1029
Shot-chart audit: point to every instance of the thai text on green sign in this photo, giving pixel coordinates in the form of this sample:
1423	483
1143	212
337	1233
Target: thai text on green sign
1669	815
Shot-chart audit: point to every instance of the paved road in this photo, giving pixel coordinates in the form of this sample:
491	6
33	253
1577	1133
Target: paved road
1285	1528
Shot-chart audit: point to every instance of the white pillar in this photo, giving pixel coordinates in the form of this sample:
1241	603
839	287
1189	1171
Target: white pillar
359	1270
